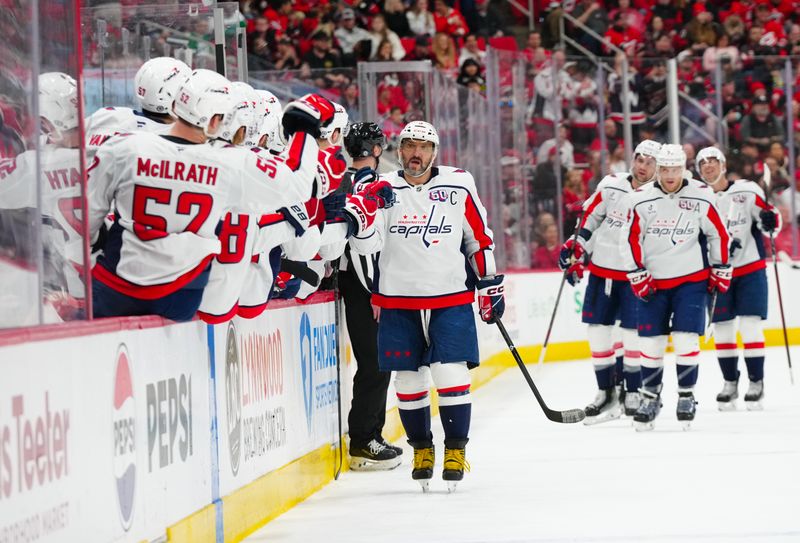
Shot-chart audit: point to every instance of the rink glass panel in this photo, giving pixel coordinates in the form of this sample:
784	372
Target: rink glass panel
41	176
117	40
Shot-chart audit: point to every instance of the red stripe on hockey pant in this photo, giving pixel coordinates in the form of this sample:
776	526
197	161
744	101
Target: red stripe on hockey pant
150	292
725	346
452	390
724	238
634	242
602	354
750	268
422	302
757	345
592	206
412	397
476	223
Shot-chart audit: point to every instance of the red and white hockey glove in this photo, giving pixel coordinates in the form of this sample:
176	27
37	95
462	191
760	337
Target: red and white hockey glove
491	298
572	259
307	114
362	207
720	279
642	284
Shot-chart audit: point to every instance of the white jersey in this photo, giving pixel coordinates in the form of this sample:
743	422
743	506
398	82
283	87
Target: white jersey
169	197
61	203
605	213
110	121
425	240
674	235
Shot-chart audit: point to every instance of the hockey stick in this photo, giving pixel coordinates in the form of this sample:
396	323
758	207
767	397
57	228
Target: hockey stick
543	351
569	416
337	307
767	182
780	305
711	307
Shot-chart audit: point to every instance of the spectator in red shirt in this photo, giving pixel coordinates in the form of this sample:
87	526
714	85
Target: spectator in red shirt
619	35
277	13
421	50
634	19
449	20
546	255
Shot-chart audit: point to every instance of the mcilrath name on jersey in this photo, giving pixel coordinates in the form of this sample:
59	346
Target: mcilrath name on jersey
179	171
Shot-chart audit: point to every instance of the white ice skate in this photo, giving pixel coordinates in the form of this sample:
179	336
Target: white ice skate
755	395
604	408
726	400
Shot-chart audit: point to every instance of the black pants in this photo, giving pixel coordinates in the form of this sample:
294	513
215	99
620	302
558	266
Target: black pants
368	410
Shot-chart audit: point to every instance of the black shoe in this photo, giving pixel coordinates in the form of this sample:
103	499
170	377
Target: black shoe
395	448
373	456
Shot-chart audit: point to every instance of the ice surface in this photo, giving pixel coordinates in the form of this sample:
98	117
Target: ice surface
734	477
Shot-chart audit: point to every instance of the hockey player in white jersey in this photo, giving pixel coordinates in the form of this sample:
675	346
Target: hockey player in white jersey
170	192
155	85
742	308
427	325
58	163
674	233
608	296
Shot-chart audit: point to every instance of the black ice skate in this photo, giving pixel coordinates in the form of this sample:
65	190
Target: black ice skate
631	403
754	396
398	450
645	416
455	462
424	457
605	407
726	400
687	407
374	456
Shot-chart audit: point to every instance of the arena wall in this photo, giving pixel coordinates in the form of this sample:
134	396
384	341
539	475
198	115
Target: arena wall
139	429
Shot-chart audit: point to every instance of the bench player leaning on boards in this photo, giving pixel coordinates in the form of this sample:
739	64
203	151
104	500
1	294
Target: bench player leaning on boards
673	232
170	191
424	292
608	297
748	217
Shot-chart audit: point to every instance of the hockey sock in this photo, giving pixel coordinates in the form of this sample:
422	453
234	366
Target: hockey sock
414	403
619	363
727	351
687	350
753	339
603	354
631	365
652	359
455	402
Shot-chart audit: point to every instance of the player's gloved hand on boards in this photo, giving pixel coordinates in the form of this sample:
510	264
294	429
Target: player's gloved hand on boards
307	114
361	207
572	259
769	219
642	284
304	216
720	279
491	298
736	244
334	207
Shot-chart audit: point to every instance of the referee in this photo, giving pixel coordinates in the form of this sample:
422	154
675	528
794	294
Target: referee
365	142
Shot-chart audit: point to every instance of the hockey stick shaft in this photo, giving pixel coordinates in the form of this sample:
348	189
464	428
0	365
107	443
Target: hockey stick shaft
569	416
574	236
711	308
780	305
337	307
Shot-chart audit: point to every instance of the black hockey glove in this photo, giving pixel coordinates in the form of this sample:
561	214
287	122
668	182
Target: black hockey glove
769	220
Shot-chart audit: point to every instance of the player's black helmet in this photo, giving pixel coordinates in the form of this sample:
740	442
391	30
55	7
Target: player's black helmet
361	138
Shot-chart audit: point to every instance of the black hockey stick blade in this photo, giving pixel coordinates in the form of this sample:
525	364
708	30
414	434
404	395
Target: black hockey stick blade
569	416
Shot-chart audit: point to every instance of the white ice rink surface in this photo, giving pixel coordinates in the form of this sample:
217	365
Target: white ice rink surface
734	477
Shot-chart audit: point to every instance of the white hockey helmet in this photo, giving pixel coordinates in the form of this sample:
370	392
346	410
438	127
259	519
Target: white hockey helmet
240	114
671	155
203	95
157	81
647	148
58	101
420	130
709	152
340	120
267	122
273	104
